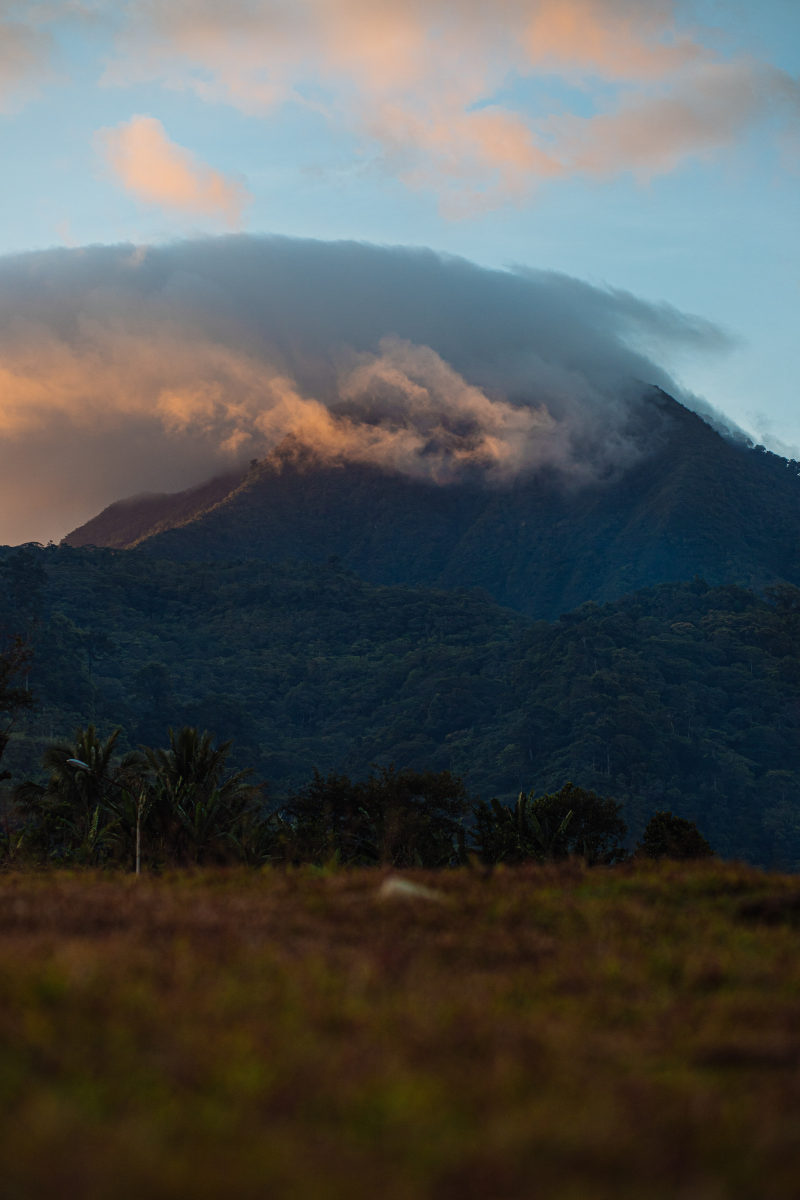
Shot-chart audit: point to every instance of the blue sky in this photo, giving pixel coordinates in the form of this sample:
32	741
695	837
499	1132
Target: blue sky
651	146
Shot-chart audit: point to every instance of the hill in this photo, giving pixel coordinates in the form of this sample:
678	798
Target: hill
680	696
696	503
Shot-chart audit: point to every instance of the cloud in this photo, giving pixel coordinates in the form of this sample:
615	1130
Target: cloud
26	53
157	171
612	39
478	104
432	89
251	51
716	104
125	369
472	159
406	409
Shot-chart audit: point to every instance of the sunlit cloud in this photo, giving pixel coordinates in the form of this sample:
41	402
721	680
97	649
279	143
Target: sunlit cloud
126	369
717	103
474	160
144	161
428	86
612	39
477	104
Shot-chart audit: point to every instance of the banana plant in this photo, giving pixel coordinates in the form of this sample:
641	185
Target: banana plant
517	833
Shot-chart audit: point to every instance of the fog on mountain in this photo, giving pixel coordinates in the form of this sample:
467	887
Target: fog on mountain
127	369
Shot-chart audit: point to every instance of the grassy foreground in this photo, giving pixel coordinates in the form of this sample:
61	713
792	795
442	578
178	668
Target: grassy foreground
541	1032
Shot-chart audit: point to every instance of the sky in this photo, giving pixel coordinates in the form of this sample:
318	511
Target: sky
631	165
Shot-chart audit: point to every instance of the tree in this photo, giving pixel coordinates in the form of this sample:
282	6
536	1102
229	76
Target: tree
70	816
668	836
402	818
571	821
507	834
596	831
15	657
23	579
416	817
152	699
197	812
324	819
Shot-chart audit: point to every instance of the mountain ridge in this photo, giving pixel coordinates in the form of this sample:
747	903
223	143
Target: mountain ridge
698	504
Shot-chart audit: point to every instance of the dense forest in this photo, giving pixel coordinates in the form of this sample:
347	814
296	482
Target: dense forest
681	697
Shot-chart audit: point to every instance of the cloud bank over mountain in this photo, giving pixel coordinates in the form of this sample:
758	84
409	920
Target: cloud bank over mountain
124	369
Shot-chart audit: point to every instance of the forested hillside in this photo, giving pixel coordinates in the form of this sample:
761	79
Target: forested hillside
695	503
682	696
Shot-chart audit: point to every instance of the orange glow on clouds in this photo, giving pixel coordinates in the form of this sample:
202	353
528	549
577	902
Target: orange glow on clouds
419	80
157	171
124	369
655	134
615	39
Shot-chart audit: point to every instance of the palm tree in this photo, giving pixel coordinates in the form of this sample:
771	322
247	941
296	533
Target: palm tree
197	812
70	817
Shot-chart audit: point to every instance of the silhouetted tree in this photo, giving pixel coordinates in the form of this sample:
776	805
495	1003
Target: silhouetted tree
15	657
668	836
69	817
325	820
197	812
403	818
550	827
416	817
596	830
516	833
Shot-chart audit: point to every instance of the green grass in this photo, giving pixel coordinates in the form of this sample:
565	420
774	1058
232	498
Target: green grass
536	1033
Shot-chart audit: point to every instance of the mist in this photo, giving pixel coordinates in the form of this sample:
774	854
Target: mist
126	369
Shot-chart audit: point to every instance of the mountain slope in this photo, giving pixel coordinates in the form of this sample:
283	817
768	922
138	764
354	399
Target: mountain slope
127	522
680	697
697	504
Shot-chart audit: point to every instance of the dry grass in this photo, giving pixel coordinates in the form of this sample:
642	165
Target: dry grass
631	1033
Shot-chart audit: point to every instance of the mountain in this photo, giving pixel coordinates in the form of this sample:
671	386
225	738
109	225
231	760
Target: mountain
127	522
337	616
695	503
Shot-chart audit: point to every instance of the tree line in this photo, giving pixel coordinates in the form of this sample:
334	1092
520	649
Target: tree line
181	806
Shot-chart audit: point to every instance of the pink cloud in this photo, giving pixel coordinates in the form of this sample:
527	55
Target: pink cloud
158	171
428	86
615	39
474	160
651	135
126	368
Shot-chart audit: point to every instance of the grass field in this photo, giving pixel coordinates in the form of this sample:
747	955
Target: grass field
534	1033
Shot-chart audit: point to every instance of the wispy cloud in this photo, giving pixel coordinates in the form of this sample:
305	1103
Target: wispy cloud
479	104
124	368
157	171
428	85
612	39
714	106
26	53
